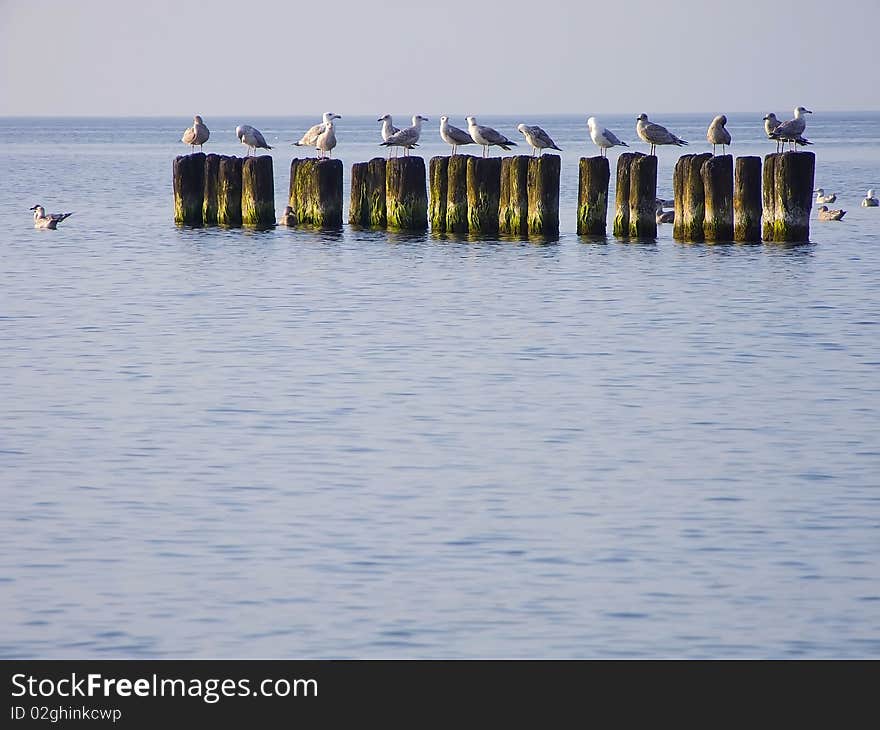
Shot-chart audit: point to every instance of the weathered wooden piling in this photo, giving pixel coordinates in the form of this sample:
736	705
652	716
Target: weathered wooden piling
188	177
689	197
406	193
788	196
315	192
747	200
621	202
643	197
438	170
592	214
513	204
258	192
483	194
367	202
717	174
229	191
209	200
544	194
456	194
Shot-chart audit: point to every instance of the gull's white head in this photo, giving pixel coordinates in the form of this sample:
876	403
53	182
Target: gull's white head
771	117
470	120
591	122
418	119
642	118
444	119
384	118
239	132
39	210
330	116
870	194
800	110
819	191
521	128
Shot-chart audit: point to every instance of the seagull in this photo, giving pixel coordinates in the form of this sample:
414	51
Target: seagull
537	138
408	136
197	134
51	221
822	198
487	136
717	134
770	125
453	135
310	138
326	140
664	216
654	134
870	201
388	129
251	137
792	131
830	215
288	219
603	138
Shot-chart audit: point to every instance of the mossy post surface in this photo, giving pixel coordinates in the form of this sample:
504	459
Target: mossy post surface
544	194
188	178
229	191
793	176
594	176
747	200
717	174
258	192
513	204
690	198
209	200
438	169
367	202
483	194
769	196
643	198
315	192
406	193
456	194
621	202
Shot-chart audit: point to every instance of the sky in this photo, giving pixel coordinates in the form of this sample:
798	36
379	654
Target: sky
268	57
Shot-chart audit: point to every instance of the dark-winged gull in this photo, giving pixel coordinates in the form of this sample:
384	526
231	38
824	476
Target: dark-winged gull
830	215
487	136
310	138
870	201
654	134
453	135
197	134
603	138
326	140
251	137
408	136
792	131
50	221
822	198
664	216
770	125
717	134
537	138
388	129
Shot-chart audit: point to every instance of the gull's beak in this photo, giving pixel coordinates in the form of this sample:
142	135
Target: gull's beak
34	208
380	120
808	111
336	116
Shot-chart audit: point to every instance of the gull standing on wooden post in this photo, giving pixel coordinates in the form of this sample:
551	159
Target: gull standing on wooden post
487	136
537	138
50	221
407	137
654	134
453	135
326	139
792	131
310	138
388	129
251	137
717	134
603	138
197	134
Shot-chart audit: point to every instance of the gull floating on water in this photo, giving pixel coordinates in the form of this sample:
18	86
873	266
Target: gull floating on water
664	216
288	219
870	201
822	198
251	137
603	138
830	215
453	135
792	131
310	138
654	134
487	136
408	136
50	221
537	138
718	134
197	134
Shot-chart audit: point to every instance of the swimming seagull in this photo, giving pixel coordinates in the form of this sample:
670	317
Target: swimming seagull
717	134
51	221
310	138
870	201
792	131
251	137
408	136
453	135
487	136
537	138
288	219
388	129
664	216
603	138
655	134
197	134
822	198
326	140
830	215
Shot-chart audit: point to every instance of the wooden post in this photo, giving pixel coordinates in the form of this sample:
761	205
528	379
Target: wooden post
315	192
258	192
513	204
406	193
209	201
592	215
544	194
438	169
367	202
643	197
456	194
483	193
689	197
788	180
229	191
188	177
621	215
747	200
717	174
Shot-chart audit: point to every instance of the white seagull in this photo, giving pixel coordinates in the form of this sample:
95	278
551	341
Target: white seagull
537	138
388	129
792	131
453	135
487	136
870	201
408	136
251	137
822	198
326	139
655	134
197	134
310	138
770	125
717	134
603	138
50	221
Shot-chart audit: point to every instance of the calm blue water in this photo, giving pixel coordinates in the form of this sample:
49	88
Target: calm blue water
288	444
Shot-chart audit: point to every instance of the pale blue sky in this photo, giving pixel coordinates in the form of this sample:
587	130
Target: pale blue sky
271	57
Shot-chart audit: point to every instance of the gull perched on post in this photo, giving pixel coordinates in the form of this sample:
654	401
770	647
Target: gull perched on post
792	131
388	129
654	134
770	125
453	135
408	136
197	134
310	138
487	136
251	137
603	138
537	138
326	139
50	221
717	134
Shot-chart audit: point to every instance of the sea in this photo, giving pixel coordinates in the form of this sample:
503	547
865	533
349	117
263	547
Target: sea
365	444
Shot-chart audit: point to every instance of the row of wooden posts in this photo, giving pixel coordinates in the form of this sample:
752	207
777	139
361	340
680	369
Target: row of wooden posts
714	199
